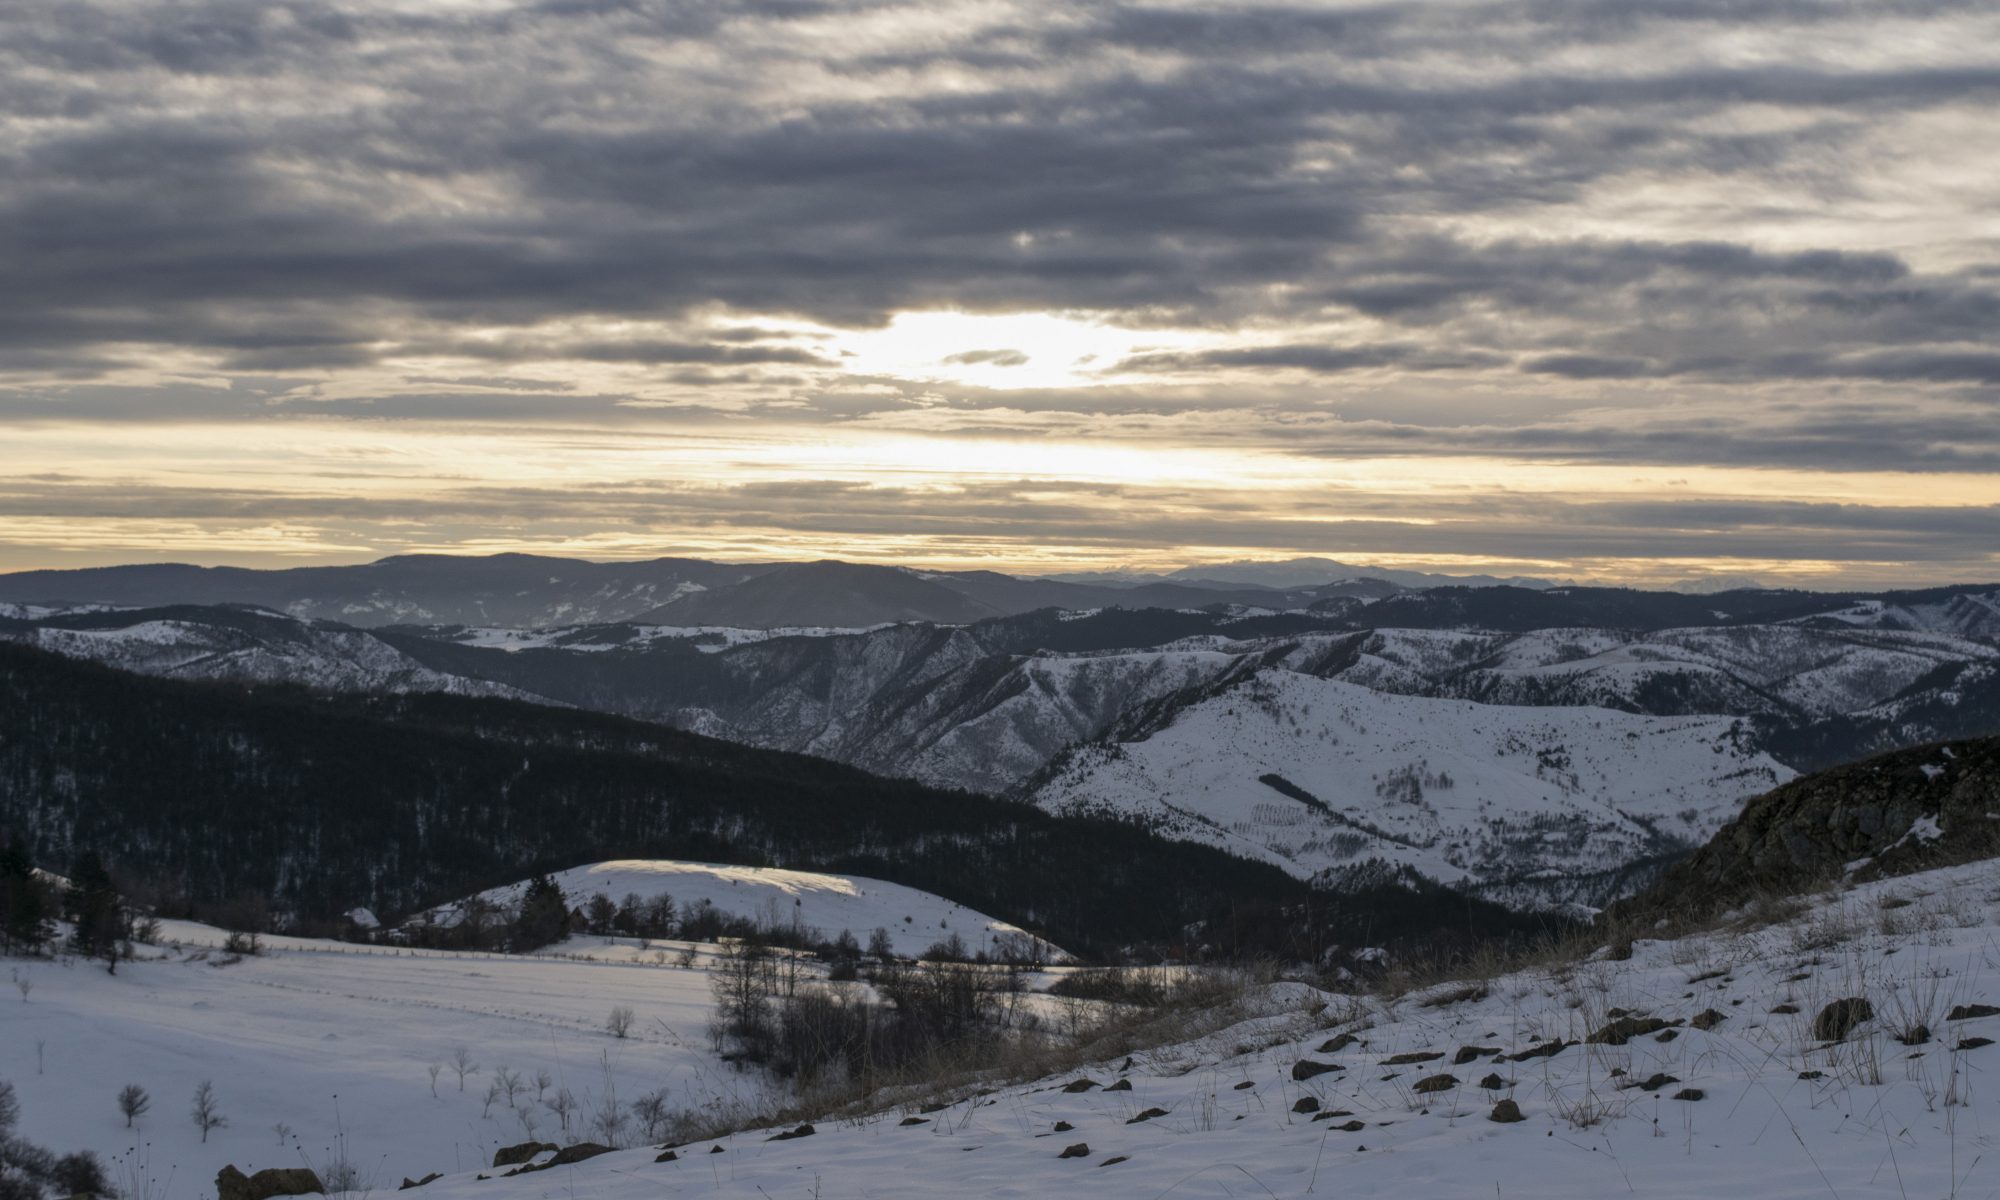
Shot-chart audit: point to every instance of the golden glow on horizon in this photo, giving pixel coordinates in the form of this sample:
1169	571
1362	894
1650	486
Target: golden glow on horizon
325	490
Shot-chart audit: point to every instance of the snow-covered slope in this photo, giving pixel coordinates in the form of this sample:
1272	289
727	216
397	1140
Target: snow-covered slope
776	898
1315	773
1293	1091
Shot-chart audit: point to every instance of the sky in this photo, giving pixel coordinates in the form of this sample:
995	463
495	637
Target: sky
1618	290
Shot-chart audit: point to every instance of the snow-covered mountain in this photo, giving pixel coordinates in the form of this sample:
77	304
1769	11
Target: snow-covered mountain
1084	709
1315	774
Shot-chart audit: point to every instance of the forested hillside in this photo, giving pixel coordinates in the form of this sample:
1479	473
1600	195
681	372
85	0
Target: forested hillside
325	801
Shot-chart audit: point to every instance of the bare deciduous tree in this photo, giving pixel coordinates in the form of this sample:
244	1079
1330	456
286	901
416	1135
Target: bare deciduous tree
564	1107
619	1023
461	1062
435	1069
207	1116
511	1085
133	1102
651	1111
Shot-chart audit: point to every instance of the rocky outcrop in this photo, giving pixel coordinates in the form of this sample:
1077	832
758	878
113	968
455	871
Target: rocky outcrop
232	1184
1906	811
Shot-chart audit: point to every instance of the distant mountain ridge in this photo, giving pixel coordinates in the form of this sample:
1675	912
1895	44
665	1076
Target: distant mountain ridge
524	591
1350	700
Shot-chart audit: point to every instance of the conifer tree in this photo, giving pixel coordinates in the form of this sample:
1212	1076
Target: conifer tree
543	917
24	915
96	910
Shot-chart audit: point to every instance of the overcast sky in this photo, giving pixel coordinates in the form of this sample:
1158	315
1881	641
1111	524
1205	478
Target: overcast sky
1610	289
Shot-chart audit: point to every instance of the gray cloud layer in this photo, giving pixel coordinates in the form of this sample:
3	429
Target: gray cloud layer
1408	218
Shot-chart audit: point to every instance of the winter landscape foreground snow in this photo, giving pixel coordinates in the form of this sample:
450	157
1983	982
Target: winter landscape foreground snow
1691	1068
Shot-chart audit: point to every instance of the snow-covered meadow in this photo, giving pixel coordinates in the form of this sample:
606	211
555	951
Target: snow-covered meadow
335	1042
324	1038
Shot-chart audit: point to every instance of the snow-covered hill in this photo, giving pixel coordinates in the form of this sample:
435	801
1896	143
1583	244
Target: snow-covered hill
1314	774
776	899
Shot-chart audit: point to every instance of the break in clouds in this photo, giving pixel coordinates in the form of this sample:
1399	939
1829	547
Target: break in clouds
1713	285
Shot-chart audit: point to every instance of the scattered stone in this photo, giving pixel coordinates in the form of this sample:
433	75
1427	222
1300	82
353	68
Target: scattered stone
1506	1113
1666	1035
1123	1085
1148	1115
907	1121
1972	1043
1467	1053
1624	1029
409	1183
1915	1035
1708	1019
1812	1074
1115	1159
667	1156
789	1134
1494	1083
1838	1019
1690	1094
1079	1150
232	1184
1306	1104
715	1149
1414	1056
1545	1050
1656	1081
1081	1085
934	1106
514	1156
1435	1083
1306	1068
1784	1010
1966	1012
1351	1127
1248	1083
1064	1127
1335	1045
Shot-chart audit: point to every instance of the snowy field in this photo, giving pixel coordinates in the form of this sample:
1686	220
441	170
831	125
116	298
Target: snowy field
326	1038
322	1037
1780	1114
